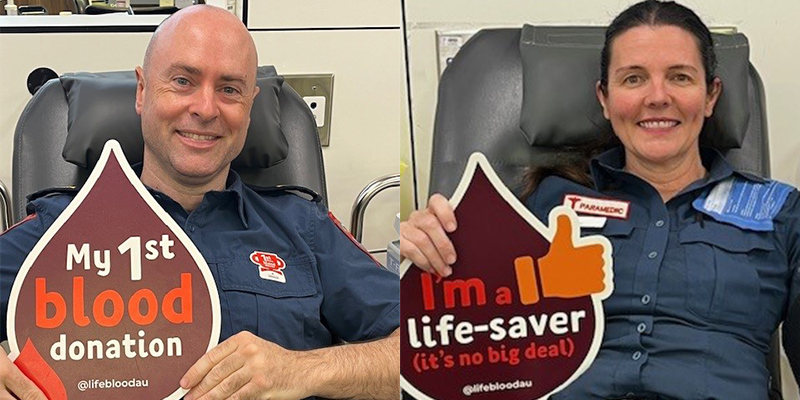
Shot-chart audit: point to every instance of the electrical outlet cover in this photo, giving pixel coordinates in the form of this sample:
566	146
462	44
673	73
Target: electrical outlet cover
317	106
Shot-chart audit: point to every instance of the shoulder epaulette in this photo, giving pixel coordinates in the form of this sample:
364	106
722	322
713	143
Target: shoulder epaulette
753	177
52	191
301	191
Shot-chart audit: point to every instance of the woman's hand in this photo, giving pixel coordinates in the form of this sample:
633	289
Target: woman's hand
423	238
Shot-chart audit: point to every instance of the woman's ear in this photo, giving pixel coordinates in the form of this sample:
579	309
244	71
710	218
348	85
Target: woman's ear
601	97
713	96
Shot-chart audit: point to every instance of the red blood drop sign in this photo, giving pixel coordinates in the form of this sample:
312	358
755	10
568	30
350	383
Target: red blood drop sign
114	301
520	317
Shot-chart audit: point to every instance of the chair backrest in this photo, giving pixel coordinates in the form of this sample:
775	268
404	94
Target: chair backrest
97	9
155	10
80	6
479	107
57	108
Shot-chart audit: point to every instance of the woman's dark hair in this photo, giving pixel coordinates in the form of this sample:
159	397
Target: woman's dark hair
660	13
573	164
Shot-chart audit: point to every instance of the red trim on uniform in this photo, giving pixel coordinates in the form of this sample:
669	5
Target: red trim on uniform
352	239
24	220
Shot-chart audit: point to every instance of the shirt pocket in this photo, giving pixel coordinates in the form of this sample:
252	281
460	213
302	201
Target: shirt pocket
722	285
275	311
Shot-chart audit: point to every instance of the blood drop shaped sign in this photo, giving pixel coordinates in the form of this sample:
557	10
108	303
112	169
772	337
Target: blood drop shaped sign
114	301
521	316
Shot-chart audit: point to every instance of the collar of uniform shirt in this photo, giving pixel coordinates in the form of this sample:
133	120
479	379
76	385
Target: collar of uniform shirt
233	187
607	168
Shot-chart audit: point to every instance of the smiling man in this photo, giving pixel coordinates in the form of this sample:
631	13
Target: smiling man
195	91
194	94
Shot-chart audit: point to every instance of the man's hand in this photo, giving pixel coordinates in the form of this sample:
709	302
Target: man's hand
568	271
246	367
14	383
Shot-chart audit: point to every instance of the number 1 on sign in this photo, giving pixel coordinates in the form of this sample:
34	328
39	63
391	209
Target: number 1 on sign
134	245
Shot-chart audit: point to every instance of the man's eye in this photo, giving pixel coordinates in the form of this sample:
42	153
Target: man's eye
230	90
182	81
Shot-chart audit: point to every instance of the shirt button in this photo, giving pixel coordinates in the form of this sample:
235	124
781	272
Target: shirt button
642	327
192	228
660	223
646	299
636	356
652	255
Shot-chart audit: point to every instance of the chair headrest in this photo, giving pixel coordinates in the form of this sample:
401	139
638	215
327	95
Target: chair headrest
102	107
561	67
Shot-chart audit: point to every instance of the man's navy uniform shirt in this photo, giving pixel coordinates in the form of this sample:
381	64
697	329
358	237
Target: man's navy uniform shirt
695	300
333	290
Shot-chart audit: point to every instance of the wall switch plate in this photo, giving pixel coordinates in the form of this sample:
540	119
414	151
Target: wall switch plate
448	44
317	91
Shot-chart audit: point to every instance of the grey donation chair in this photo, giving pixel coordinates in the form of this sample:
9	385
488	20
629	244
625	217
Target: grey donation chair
481	102
70	118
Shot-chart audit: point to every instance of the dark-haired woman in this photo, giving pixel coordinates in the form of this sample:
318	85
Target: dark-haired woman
697	295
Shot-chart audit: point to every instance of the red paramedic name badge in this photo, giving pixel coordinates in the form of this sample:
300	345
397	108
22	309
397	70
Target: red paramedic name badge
521	317
270	266
114	301
596	206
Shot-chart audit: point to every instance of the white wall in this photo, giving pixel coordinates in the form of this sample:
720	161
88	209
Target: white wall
770	27
368	98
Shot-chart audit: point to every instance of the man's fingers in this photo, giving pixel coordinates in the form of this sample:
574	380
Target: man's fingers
14	384
218	375
22	387
221	389
228	387
443	211
207	362
246	392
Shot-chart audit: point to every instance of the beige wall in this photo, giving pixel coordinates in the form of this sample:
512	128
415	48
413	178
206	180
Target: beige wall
315	13
771	29
368	99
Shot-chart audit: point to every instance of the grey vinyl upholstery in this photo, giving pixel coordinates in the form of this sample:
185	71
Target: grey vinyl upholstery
479	107
42	130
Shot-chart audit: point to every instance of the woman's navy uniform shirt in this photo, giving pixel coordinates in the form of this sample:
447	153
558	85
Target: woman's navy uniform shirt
695	300
333	290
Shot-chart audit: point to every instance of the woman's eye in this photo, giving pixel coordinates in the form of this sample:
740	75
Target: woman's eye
633	79
682	78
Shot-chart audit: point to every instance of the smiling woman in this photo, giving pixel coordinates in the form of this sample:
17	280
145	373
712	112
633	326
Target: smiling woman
698	286
657	103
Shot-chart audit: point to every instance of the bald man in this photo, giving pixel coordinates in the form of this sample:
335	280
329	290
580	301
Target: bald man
194	93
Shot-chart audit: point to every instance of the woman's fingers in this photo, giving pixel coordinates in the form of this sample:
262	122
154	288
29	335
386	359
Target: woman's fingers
424	240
